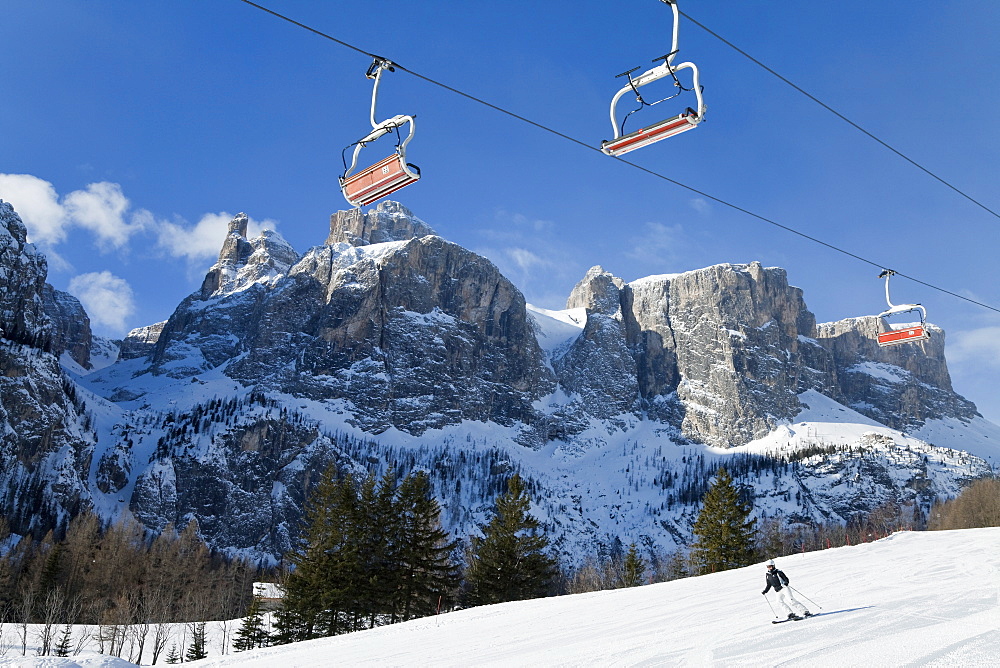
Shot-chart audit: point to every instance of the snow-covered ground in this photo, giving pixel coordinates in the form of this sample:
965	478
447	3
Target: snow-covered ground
912	599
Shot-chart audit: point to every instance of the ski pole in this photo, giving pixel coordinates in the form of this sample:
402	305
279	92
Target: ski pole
805	597
770	606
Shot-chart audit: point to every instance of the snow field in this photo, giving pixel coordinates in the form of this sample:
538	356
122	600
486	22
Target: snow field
927	599
912	599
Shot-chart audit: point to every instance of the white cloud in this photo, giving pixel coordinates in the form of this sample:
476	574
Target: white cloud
525	259
701	205
203	240
100	208
38	205
660	248
107	298
535	255
980	347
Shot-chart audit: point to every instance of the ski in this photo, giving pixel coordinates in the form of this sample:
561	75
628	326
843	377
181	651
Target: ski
791	619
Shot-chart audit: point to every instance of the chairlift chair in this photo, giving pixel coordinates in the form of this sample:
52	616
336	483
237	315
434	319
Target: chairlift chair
687	120
389	174
912	334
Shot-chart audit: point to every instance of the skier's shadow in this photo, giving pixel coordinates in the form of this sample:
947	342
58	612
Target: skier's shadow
837	612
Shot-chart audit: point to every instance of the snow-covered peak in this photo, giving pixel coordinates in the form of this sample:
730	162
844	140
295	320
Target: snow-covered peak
263	260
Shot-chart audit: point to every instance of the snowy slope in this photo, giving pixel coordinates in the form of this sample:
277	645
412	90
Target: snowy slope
929	598
556	329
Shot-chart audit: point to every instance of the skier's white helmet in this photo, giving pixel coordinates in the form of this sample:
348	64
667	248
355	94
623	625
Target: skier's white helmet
770	563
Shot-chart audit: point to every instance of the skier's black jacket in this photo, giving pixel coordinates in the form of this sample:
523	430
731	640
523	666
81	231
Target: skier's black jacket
776	579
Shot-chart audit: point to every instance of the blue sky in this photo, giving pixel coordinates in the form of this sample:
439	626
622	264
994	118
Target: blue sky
131	131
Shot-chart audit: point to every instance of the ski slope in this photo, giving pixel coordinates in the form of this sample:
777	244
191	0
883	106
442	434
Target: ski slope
928	598
912	599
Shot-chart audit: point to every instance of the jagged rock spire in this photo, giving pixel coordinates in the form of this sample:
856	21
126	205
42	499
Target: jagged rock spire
598	291
389	221
234	254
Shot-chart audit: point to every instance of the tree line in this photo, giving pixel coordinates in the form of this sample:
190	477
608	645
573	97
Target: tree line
125	584
373	551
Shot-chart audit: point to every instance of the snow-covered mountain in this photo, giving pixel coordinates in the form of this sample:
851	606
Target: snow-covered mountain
390	346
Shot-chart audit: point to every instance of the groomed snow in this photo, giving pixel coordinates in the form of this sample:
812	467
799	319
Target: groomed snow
928	598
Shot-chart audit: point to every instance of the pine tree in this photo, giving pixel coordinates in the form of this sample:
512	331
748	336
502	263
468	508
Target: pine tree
197	650
509	563
724	531
375	534
173	656
426	572
251	633
321	590
65	644
633	570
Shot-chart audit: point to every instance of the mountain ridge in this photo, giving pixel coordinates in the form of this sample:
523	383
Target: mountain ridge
390	346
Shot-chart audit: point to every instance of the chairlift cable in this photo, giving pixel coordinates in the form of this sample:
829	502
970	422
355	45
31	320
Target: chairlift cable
841	116
651	172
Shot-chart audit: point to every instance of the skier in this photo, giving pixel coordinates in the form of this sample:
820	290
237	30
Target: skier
779	581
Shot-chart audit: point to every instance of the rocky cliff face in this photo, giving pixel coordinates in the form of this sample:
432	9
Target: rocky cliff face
22	284
70	325
389	346
723	353
389	221
140	341
46	439
901	386
411	333
408	331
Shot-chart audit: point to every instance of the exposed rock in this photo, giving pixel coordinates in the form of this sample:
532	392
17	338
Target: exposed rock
901	386
599	367
598	292
234	254
46	443
388	221
22	282
140	341
70	325
389	328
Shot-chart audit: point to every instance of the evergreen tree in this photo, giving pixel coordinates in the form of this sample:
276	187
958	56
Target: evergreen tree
65	644
724	532
509	563
197	650
633	570
427	574
320	591
251	633
173	656
376	530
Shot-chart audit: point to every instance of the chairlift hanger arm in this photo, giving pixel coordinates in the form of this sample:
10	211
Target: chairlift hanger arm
623	143
390	174
900	308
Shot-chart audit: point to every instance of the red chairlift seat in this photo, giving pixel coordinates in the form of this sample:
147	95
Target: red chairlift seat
380	180
654	133
906	335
